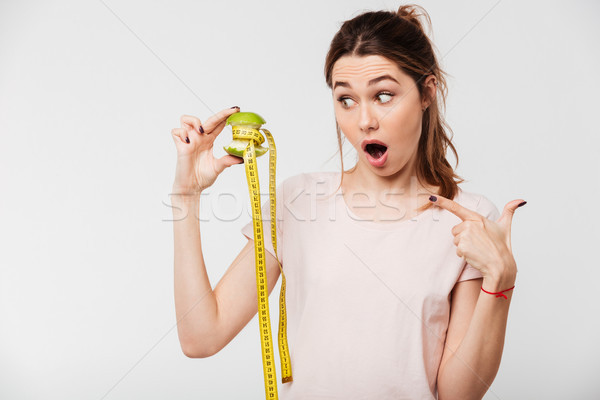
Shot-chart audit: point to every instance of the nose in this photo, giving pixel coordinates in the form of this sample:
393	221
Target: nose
368	119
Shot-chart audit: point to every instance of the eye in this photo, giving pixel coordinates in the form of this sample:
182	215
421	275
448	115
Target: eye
390	95
342	99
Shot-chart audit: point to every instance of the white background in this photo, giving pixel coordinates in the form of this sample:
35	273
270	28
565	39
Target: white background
90	90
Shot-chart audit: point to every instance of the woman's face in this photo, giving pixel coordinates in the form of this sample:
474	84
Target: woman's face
375	100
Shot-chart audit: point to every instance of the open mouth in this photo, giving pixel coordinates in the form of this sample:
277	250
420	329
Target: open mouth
375	150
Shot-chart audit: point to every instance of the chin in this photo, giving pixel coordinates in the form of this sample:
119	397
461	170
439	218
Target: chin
389	169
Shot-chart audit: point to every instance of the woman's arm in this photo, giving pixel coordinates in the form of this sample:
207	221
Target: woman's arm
195	301
207	319
475	338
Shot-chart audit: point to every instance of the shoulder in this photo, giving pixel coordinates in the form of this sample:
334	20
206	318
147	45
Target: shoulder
298	194
478	203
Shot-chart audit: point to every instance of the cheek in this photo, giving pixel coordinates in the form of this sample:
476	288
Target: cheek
407	133
345	123
406	122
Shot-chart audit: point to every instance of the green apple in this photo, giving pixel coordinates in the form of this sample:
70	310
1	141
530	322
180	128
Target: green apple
249	120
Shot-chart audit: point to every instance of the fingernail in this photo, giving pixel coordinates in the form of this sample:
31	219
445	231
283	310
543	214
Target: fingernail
187	139
432	198
522	204
235	107
201	129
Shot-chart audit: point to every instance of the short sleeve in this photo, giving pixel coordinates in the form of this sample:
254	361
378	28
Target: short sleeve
489	210
248	229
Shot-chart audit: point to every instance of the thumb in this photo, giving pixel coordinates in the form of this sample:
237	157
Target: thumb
227	161
508	212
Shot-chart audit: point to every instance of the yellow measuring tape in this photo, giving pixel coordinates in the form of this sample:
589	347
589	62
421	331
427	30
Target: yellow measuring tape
254	137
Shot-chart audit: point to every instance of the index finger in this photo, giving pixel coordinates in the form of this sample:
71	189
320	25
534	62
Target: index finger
211	123
455	208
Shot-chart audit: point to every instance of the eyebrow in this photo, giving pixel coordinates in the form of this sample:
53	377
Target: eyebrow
371	82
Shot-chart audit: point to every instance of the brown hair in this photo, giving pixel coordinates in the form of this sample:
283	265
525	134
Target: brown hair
399	37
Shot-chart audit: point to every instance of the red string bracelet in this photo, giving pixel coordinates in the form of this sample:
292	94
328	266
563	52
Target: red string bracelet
498	294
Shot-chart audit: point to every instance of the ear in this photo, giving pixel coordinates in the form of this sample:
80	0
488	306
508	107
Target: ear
430	89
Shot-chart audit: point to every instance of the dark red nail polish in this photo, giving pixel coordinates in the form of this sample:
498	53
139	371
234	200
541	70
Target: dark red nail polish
235	107
522	204
432	198
187	139
201	129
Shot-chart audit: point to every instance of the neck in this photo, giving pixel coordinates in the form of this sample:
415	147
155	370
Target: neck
403	183
401	190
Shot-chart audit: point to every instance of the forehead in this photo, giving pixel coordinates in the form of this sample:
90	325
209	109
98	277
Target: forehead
364	68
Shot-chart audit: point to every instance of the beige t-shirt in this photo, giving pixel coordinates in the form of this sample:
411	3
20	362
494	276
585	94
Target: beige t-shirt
368	303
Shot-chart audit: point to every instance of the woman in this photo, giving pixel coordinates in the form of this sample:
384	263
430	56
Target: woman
388	297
